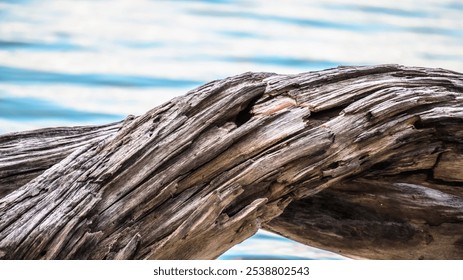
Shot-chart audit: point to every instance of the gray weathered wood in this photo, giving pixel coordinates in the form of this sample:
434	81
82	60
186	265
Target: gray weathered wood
389	218
25	155
191	178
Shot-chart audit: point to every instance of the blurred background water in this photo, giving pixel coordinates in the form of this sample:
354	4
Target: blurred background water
82	62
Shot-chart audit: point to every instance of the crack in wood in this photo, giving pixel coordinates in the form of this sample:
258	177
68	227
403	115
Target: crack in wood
362	160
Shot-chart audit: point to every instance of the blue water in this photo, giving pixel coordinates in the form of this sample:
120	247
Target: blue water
93	62
31	109
31	77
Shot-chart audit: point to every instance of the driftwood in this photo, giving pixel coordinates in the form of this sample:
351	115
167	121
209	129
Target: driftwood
363	161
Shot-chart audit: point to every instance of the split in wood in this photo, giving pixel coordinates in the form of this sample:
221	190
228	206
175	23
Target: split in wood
363	161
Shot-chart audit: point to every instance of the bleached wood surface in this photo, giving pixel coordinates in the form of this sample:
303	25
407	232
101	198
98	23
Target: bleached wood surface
369	160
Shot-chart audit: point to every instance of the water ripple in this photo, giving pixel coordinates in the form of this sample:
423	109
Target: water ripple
454	5
283	61
30	109
336	25
380	10
281	19
240	34
28	76
36	46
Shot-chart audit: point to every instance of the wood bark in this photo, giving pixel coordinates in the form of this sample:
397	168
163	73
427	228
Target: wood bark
364	161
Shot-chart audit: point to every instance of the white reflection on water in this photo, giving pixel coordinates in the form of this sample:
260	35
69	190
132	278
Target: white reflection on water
86	62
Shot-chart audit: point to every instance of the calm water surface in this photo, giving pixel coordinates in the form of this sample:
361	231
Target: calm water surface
92	62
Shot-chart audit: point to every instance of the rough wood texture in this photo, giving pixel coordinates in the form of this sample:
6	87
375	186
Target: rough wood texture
395	218
25	155
367	158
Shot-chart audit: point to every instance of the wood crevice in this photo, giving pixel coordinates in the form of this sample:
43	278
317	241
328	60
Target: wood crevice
365	161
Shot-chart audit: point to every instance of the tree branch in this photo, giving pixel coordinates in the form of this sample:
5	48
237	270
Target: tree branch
201	173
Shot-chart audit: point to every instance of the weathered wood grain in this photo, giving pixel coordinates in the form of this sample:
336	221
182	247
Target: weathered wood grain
25	155
388	218
201	173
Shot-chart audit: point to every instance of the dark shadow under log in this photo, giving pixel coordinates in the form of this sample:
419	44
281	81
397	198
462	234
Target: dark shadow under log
394	219
364	161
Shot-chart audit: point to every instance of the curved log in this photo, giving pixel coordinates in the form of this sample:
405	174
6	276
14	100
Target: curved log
230	156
